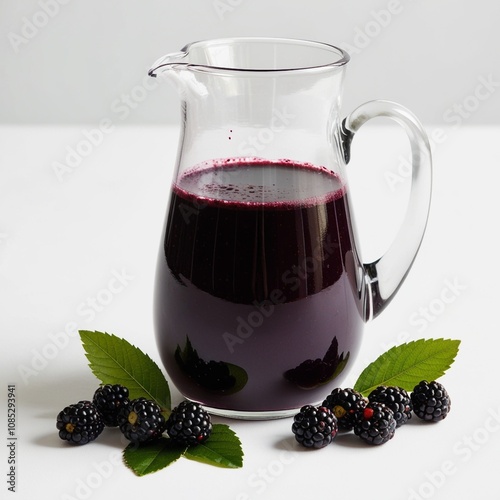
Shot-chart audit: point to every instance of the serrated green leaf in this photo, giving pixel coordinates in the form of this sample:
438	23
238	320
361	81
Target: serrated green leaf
222	449
115	361
407	364
151	457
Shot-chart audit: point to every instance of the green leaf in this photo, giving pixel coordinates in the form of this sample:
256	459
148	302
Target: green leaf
408	364
116	361
151	457
221	449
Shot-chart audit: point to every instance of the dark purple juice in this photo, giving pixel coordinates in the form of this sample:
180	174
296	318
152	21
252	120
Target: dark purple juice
255	305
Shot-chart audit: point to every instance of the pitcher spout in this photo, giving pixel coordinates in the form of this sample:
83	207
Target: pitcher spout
168	62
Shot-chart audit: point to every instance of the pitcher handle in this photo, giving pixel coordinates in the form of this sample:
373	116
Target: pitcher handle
383	277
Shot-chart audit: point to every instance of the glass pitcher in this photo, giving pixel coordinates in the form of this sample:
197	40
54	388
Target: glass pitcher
260	293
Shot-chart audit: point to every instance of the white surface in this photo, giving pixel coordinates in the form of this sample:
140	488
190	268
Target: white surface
65	61
60	242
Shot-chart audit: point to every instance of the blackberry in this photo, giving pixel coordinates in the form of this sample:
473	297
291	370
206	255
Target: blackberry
396	399
141	421
345	404
79	423
315	427
375	424
431	401
108	399
189	424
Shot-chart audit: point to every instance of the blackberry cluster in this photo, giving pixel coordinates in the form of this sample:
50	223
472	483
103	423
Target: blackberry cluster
396	399
140	420
189	424
315	427
431	401
109	399
375	424
79	423
345	405
373	419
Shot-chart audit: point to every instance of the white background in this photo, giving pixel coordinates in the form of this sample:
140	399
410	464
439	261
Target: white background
62	241
70	65
63	236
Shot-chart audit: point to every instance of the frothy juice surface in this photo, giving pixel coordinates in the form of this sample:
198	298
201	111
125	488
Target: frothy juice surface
255	303
255	182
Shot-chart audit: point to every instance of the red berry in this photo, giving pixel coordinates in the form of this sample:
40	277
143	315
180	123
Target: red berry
367	413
